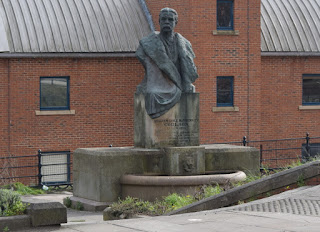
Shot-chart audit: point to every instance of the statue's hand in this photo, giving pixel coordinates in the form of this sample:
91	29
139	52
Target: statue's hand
189	88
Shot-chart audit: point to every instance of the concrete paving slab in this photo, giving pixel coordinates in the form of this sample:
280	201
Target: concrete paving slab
224	221
302	201
228	218
103	228
83	217
52	197
220	220
151	224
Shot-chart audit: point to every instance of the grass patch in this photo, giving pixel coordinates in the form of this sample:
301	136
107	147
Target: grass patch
22	189
134	206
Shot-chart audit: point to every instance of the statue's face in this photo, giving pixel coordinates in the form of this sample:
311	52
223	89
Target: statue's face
167	21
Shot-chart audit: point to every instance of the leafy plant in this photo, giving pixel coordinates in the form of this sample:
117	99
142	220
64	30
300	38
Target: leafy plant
212	190
10	203
79	206
176	201
131	205
67	202
300	181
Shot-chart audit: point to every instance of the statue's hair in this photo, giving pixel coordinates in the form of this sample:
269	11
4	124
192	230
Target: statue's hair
167	9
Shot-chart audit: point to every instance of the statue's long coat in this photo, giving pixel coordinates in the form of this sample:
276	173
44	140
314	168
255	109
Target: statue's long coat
163	81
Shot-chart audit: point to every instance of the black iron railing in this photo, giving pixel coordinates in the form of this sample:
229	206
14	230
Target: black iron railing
45	168
279	153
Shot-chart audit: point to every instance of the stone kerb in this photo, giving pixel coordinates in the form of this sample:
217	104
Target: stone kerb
178	127
15	222
39	213
47	213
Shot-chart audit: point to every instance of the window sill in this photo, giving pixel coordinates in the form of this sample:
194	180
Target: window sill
225	109
225	32
315	107
55	112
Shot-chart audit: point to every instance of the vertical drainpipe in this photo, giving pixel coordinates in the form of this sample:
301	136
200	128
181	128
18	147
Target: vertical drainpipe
10	171
248	70
9	109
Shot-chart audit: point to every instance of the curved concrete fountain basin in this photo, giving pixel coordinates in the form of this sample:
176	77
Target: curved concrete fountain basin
152	187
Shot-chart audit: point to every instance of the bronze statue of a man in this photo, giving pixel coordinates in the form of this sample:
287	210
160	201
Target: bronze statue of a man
167	58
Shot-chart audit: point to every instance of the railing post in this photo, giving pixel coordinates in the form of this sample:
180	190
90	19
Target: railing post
39	168
308	148
261	147
244	141
68	167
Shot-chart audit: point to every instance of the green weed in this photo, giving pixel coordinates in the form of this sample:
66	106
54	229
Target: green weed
176	201
22	189
10	203
130	205
79	206
67	202
300	181
296	163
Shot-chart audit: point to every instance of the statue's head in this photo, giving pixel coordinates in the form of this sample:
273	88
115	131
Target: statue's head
168	19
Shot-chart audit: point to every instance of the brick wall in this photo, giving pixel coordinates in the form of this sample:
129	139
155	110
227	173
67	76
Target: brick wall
4	107
282	95
101	93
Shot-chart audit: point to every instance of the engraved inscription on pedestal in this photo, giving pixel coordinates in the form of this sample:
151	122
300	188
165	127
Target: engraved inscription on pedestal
180	130
177	128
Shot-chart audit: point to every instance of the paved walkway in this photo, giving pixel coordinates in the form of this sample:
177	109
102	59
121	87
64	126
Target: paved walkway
292	211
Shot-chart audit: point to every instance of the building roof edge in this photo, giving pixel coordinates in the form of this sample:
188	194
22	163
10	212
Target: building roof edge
68	55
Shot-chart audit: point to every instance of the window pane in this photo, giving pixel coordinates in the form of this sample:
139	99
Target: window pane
311	91
224	15
224	84
54	93
225	91
224	97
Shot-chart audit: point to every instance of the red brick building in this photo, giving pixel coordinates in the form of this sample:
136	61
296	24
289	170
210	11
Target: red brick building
91	44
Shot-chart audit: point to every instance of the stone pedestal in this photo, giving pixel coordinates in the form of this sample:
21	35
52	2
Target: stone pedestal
97	171
178	127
